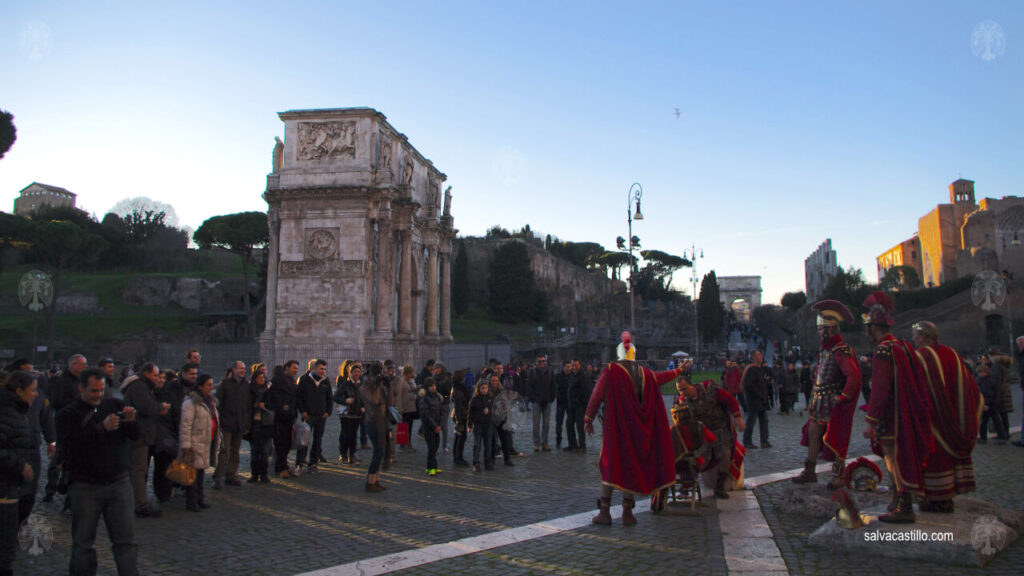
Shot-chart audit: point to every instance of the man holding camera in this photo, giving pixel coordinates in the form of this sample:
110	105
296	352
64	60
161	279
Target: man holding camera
98	433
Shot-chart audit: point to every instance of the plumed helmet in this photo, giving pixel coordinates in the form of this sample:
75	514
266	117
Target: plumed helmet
880	309
832	312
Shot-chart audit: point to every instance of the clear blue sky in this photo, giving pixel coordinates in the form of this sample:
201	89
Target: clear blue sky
797	121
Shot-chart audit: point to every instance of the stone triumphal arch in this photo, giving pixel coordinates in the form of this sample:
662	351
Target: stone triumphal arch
360	242
740	294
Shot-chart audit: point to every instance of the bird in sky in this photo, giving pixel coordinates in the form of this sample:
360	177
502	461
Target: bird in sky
676	112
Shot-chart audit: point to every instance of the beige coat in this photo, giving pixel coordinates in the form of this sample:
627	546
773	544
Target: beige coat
403	395
197	431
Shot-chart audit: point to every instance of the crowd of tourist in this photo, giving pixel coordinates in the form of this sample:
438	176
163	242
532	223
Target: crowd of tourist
107	442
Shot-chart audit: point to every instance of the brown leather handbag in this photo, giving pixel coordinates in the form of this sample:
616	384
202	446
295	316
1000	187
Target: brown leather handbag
181	473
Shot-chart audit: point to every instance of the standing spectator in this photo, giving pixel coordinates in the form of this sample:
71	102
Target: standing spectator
481	426
426	372
430	412
199	437
501	413
460	413
443	381
807	383
757	393
561	401
348	398
540	391
391	382
990	393
731	380
261	432
98	443
313	400
18	447
375	401
789	391
405	391
141	395
107	365
1000	366
580	388
62	392
235	412
166	449
281	399
40	422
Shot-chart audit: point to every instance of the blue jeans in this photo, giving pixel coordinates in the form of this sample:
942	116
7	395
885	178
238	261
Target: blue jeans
114	502
378	447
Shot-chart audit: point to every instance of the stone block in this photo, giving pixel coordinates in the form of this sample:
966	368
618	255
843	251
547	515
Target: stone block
971	536
147	291
813	499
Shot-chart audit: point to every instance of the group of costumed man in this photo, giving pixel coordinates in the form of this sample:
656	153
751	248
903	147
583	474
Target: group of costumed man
922	419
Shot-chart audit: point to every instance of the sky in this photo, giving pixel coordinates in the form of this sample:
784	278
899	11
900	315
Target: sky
797	121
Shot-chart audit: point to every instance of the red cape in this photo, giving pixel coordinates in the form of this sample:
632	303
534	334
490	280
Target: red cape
956	401
636	451
912	427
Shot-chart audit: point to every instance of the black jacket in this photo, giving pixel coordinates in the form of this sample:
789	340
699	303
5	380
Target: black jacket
233	405
93	454
757	387
40	419
476	410
562	387
460	404
16	445
141	396
313	399
281	398
444	386
429	406
580	389
540	386
349	389
62	390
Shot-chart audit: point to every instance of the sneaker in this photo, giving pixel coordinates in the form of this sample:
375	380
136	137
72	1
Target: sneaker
431	472
536	448
766	445
314	469
437	471
545	448
322	460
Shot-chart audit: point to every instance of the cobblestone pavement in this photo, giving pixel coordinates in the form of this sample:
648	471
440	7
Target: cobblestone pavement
326	520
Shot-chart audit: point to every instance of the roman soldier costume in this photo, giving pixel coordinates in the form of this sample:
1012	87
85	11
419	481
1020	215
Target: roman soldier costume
834	396
899	411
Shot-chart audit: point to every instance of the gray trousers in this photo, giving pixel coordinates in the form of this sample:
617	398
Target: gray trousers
227	458
541	423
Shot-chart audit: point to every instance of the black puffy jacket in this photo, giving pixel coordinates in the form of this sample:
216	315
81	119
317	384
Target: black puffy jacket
16	445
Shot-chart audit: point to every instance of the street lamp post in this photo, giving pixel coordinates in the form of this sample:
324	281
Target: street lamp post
635	192
692	257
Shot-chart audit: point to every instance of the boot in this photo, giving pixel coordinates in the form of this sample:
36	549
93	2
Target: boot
904	512
627	512
373	484
604	518
720	486
808	476
836	482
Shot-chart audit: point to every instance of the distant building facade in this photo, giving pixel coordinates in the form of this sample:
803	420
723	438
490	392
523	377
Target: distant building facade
819	268
35	195
906	253
963	238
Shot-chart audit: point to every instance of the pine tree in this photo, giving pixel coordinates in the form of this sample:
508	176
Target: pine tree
710	316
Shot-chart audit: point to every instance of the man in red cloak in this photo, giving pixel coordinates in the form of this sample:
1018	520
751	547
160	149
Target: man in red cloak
834	397
956	410
636	453
898	421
